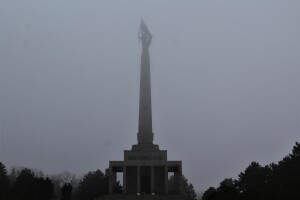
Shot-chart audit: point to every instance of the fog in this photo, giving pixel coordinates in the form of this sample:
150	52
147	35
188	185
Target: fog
224	74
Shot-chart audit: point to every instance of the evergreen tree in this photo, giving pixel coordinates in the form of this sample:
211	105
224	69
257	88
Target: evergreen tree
186	188
25	185
210	194
4	181
43	188
92	186
29	187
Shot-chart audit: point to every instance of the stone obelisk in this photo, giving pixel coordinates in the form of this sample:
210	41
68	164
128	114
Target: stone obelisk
145	134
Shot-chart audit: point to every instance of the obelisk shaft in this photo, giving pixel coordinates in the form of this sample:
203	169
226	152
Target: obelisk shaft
145	134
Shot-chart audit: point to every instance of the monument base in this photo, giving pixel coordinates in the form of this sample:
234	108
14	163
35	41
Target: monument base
145	147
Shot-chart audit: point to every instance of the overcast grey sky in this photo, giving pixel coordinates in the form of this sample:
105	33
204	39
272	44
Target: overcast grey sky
225	83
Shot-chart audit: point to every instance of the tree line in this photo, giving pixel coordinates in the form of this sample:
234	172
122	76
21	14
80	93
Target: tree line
29	184
26	186
278	181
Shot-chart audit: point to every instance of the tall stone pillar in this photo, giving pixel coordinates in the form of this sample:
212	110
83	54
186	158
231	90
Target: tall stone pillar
152	180
124	179
138	190
180	178
177	178
112	180
166	179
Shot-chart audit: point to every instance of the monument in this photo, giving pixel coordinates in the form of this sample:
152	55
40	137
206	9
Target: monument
145	167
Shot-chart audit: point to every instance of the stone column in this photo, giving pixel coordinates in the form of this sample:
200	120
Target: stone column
124	179
152	180
166	179
177	177
180	176
138	190
112	180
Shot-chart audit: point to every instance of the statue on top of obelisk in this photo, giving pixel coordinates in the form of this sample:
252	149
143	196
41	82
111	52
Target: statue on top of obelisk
145	36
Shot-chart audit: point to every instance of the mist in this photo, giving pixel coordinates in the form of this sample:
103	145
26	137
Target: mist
224	74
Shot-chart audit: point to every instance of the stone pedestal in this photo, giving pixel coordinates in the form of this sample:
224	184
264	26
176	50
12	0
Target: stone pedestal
145	172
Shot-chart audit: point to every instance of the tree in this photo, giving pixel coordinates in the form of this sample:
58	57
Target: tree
209	194
14	173
92	186
24	185
253	178
66	191
4	181
288	169
186	188
43	188
226	191
286	175
29	187
189	192
296	152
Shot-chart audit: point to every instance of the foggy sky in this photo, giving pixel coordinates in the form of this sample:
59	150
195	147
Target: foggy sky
225	83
